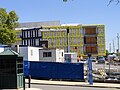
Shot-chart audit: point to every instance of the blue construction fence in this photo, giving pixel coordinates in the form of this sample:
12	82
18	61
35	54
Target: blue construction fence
54	70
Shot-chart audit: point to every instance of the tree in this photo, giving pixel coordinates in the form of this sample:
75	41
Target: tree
8	23
110	1
107	53
118	1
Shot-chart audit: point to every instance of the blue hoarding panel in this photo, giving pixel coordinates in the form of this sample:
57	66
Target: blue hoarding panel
40	69
68	71
53	70
26	68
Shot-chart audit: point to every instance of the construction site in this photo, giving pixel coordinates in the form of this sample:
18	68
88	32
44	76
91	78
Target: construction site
104	72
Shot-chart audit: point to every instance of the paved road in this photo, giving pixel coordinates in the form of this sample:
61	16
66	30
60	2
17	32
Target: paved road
55	87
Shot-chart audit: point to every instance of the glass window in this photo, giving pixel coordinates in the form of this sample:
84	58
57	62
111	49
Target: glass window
74	40
55	41
98	40
74	31
65	41
33	33
47	54
37	42
60	41
81	31
39	33
23	42
28	34
103	40
28	42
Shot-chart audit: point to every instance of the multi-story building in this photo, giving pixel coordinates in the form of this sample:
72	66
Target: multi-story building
82	39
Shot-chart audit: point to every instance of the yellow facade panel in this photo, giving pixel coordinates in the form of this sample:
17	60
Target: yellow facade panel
76	38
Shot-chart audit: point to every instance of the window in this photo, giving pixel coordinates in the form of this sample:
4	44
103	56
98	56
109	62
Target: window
47	54
81	31
31	52
36	33
37	42
74	31
74	40
28	42
33	33
39	34
55	41
103	49
28	34
62	54
78	40
65	41
19	65
60	41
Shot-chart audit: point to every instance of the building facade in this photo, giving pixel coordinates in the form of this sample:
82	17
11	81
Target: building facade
33	37
82	39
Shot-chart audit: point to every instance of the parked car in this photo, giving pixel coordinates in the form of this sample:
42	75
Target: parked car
83	61
116	59
112	79
93	59
101	60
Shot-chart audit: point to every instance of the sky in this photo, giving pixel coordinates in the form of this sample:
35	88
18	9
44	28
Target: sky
73	11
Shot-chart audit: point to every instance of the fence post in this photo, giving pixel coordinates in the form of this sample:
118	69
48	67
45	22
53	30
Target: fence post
29	81
90	77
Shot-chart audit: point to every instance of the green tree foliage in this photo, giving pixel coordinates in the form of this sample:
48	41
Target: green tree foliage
64	0
8	23
110	1
107	53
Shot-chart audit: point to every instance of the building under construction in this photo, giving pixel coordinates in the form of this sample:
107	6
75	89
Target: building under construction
82	39
79	38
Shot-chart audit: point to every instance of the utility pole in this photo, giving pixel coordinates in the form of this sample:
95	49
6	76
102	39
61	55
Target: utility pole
68	44
118	42
110	47
113	47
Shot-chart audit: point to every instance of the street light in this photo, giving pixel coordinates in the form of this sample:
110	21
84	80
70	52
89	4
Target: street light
109	60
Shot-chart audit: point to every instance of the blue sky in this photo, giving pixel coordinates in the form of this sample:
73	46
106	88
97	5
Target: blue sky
73	11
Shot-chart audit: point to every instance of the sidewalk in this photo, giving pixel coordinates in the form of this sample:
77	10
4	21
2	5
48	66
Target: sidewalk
32	89
73	83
